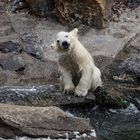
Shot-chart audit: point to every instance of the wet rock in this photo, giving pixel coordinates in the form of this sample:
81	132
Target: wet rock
42	96
95	14
42	121
41	7
52	95
10	46
12	64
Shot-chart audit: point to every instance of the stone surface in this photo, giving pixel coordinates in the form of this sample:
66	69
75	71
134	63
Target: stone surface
131	66
41	7
42	96
128	61
95	14
9	46
42	121
124	72
31	41
12	63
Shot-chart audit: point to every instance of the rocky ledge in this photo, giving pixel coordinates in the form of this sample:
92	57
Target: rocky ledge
42	122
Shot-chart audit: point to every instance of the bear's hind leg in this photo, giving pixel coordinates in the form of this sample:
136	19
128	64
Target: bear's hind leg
96	80
85	82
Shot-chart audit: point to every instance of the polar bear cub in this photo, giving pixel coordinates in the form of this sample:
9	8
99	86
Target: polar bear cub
77	69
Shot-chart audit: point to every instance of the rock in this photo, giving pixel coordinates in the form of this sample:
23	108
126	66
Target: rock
30	38
124	73
51	95
32	42
133	3
130	67
128	61
10	46
42	96
12	64
35	52
42	121
41	7
5	31
19	4
23	69
95	14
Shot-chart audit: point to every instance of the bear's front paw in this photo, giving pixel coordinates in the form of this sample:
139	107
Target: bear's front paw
68	91
81	92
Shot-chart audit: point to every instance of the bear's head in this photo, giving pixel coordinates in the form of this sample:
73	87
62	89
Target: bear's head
65	40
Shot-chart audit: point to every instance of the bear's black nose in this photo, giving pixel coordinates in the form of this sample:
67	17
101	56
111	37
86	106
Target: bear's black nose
65	44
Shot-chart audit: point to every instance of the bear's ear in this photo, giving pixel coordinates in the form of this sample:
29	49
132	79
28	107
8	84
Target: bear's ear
74	32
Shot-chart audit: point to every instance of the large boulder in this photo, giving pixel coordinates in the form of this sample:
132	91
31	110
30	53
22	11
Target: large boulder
42	121
93	12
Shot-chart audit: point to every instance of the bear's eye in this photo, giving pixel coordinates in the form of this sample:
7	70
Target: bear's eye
66	36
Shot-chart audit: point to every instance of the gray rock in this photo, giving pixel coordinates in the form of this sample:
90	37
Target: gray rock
18	5
133	3
130	66
31	41
35	52
128	61
12	64
41	7
42	96
42	121
10	46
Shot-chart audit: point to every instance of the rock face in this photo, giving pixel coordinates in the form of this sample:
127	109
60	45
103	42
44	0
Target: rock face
125	70
92	13
21	55
128	61
42	121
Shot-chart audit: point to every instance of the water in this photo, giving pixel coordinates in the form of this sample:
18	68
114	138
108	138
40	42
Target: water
113	124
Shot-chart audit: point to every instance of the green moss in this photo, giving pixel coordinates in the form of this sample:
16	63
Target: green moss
121	102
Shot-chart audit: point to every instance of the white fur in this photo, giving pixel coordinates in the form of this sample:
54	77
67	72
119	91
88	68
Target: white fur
75	60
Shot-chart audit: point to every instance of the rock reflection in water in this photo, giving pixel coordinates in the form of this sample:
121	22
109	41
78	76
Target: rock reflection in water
113	124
